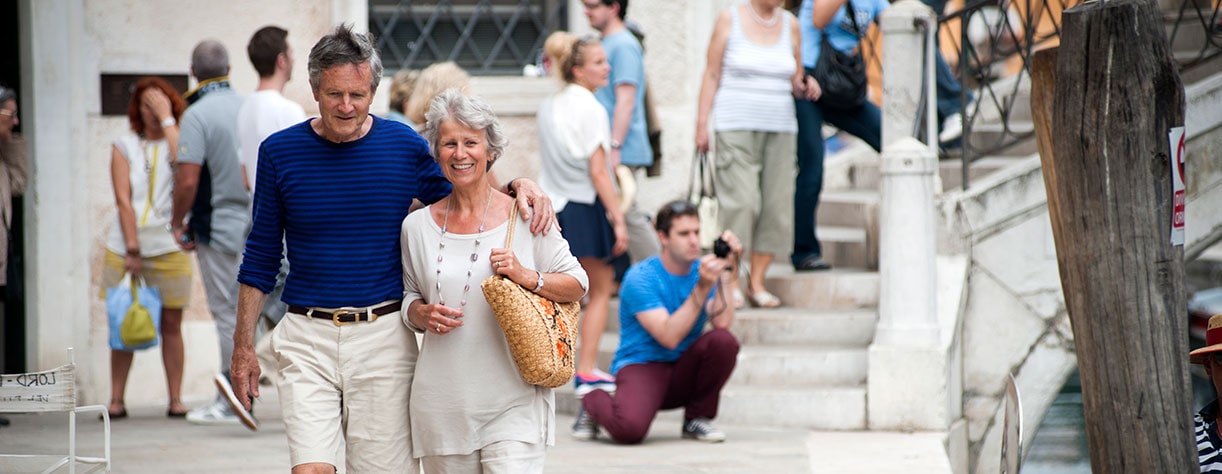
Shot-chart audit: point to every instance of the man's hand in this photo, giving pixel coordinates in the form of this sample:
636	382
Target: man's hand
736	246
183	239
711	268
244	372
529	196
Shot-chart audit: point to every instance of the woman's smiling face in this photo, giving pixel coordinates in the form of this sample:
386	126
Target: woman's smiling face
462	153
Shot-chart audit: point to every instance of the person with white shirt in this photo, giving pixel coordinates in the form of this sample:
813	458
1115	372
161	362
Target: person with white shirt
266	111
575	145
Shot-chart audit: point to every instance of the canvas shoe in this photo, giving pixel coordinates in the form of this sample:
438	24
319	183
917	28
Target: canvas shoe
235	406
215	413
701	429
952	129
584	427
599	380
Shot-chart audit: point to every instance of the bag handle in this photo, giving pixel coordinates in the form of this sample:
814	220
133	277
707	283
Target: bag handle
703	171
513	215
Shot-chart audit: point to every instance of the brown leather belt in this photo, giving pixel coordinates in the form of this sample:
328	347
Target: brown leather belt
345	316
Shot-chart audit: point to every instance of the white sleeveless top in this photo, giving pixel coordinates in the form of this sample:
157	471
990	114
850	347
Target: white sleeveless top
755	91
152	180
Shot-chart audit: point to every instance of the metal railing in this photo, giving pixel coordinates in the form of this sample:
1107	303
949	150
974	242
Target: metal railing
485	37
996	39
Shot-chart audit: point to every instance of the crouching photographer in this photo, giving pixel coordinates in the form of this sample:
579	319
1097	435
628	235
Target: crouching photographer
666	359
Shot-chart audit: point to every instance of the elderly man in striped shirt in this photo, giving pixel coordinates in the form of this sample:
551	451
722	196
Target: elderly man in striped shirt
1209	439
337	188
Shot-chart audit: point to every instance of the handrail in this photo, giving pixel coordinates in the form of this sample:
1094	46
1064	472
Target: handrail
995	66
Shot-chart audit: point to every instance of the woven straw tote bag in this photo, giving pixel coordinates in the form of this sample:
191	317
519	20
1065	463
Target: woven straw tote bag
541	333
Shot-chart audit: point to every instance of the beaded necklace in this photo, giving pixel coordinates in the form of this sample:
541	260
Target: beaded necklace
764	23
445	221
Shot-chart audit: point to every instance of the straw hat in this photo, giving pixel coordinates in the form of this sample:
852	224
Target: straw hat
1213	341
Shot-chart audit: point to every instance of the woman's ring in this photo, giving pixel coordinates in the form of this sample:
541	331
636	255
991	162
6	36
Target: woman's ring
438	327
498	264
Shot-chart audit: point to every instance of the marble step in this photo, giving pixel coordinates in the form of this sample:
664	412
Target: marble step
838	288
797	366
802	326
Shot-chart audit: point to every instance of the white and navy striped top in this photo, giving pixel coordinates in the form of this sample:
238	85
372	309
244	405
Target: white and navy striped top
756	89
339	207
1209	445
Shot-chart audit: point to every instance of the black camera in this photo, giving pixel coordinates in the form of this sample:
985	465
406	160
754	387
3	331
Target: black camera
720	248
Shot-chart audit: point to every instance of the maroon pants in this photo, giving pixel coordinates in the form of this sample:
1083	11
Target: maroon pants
693	382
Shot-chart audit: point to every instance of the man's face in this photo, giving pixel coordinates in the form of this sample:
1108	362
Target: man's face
344	93
1213	368
682	243
599	15
8	119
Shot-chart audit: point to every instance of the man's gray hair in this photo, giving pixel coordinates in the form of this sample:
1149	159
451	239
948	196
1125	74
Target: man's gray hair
344	46
209	60
471	112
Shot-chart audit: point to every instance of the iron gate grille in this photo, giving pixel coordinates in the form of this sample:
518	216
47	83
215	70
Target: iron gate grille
485	37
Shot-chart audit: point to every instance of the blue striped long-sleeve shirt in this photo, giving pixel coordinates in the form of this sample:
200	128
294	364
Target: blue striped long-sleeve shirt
339	207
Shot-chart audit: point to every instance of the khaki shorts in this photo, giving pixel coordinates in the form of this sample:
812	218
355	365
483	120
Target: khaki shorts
346	383
169	273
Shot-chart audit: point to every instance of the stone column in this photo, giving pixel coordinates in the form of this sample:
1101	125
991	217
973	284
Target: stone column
909	376
904	38
57	231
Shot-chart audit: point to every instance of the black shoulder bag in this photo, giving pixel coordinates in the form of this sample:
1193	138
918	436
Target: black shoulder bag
841	75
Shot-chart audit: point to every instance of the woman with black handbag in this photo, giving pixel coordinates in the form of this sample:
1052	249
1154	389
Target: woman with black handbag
752	75
831	40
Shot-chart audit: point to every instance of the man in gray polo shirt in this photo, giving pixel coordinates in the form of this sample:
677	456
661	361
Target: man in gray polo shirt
208	183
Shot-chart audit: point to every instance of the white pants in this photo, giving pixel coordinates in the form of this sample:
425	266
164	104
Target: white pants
354	378
501	457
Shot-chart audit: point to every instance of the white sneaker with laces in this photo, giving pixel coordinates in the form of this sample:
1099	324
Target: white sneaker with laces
701	429
952	128
584	427
215	413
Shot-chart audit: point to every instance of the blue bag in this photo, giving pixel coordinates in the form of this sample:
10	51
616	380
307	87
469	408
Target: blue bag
132	303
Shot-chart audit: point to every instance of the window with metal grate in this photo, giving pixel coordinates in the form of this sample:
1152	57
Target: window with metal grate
485	37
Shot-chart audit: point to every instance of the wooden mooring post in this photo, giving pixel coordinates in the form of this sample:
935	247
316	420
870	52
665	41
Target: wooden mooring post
1102	119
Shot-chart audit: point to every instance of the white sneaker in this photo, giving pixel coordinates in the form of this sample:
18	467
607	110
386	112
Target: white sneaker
952	128
235	406
215	413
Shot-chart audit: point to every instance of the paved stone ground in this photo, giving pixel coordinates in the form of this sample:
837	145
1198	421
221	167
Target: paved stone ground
149	443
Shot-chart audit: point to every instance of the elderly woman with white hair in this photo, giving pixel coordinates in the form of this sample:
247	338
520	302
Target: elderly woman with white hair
470	410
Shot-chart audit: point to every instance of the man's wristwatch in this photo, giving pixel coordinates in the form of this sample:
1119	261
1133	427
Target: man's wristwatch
538	284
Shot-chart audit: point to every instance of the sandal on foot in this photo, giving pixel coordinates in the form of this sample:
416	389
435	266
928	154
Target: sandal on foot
764	299
739	299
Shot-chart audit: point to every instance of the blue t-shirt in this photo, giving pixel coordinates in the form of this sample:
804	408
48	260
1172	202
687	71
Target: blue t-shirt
627	67
839	30
646	286
339	207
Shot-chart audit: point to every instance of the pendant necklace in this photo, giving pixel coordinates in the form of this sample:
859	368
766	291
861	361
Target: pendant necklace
764	23
474	252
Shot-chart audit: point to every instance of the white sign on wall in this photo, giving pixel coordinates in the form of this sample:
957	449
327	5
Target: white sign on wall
1176	136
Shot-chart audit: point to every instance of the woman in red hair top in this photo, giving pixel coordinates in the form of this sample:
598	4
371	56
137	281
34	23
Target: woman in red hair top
142	173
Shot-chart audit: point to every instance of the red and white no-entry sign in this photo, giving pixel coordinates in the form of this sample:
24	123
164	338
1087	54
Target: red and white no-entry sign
1176	137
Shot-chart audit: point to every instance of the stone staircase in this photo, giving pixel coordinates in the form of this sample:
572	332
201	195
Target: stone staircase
805	365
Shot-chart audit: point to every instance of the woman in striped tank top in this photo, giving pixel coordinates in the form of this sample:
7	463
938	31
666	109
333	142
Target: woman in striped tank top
753	73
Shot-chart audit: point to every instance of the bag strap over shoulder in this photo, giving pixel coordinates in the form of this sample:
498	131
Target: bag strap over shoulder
513	216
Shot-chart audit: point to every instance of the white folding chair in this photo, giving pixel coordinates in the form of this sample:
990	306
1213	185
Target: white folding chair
54	391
